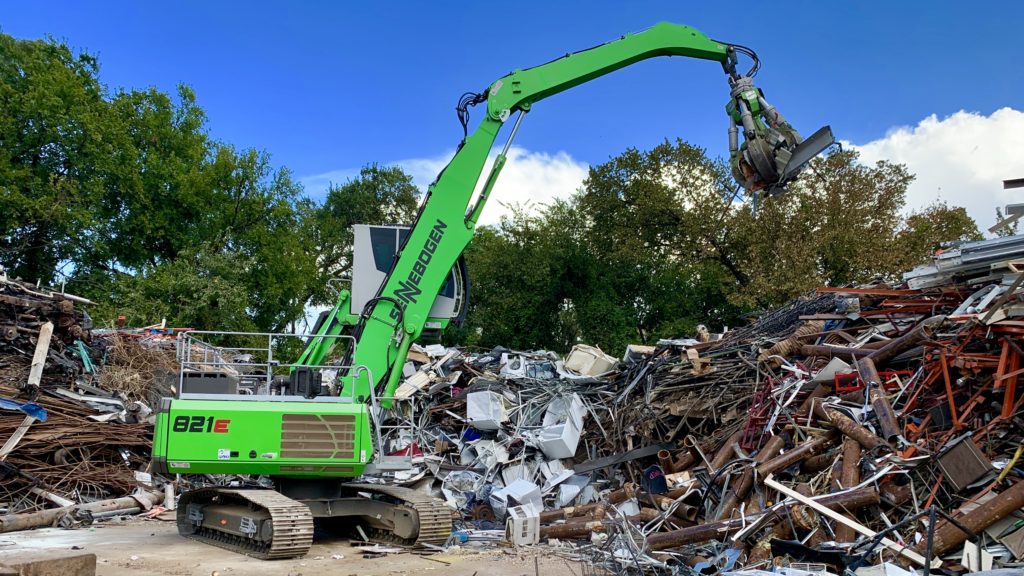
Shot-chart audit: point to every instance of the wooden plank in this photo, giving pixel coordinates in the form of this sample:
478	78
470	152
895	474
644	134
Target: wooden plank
901	550
39	358
12	442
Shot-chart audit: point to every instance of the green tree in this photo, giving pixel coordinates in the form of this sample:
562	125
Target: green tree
378	195
1007	230
656	243
925	231
520	272
55	141
130	200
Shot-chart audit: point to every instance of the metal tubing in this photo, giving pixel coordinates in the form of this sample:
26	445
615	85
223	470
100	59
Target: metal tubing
15	522
854	500
665	461
724	453
897	346
887	423
852	429
571	531
834	351
742	489
850	477
802	452
948	536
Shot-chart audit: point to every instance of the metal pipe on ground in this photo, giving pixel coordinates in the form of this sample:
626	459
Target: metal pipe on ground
948	536
850	476
665	461
868	372
549	516
619	496
682	511
644	516
742	489
809	448
893	348
887	422
571	531
15	522
843	352
853	500
817	463
725	452
851	428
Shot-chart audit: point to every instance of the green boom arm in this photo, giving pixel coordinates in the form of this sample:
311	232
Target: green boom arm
446	221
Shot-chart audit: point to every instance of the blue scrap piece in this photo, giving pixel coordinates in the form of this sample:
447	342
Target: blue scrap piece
29	408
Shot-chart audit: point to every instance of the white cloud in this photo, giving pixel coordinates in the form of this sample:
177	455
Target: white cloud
316	185
529	179
961	159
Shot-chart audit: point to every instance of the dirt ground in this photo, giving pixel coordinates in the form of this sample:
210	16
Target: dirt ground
139	546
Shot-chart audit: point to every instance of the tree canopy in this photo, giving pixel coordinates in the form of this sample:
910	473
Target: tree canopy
656	242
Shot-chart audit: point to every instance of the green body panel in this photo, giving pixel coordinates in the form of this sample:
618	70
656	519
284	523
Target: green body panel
238	436
444	229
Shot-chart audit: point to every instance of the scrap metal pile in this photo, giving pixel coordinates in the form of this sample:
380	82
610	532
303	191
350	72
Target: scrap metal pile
863	428
74	404
868	429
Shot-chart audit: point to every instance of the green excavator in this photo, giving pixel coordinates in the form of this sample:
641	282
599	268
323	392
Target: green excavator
308	445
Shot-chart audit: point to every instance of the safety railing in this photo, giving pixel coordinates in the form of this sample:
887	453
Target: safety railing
246	355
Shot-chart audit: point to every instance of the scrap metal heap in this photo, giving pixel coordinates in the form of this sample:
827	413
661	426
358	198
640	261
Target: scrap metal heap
74	410
858	428
870	429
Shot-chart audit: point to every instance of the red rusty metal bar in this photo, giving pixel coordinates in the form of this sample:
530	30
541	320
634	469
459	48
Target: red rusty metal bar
1011	382
867	291
949	392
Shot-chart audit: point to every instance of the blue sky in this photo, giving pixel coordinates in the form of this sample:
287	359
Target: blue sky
326	87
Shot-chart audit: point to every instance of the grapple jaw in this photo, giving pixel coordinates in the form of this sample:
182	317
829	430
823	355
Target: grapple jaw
772	153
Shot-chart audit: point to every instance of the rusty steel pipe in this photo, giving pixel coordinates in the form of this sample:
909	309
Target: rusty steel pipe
924	330
619	496
852	429
15	522
895	494
571	531
682	511
739	493
809	448
724	454
817	463
843	352
644	516
549	516
948	536
854	500
665	461
887	422
850	476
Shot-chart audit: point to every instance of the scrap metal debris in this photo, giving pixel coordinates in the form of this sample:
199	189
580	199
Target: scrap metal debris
871	430
857	429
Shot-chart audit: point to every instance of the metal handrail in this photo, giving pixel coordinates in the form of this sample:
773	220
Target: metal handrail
212	355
